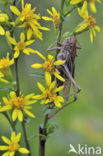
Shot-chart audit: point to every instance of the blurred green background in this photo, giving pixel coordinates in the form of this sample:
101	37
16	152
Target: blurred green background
82	122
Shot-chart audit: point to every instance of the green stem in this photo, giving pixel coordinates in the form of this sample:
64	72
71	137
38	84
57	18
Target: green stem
42	129
25	137
68	12
10	122
17	77
18	93
42	137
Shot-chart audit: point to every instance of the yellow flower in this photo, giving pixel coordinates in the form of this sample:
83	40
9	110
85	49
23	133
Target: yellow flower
3	18
12	145
91	2
18	105
29	20
88	23
2	78
49	94
5	63
49	66
55	17
20	46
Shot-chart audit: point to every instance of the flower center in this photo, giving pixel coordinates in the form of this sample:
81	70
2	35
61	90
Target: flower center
91	21
27	14
49	66
4	63
56	20
21	46
14	146
49	95
18	102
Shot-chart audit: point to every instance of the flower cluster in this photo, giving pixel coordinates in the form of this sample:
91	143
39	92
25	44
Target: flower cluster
12	145
55	17
89	22
29	20
91	3
49	94
5	71
16	105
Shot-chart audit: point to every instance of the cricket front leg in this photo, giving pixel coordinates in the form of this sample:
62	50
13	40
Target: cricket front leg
55	48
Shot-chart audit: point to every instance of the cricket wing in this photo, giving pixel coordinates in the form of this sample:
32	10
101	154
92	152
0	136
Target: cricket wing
66	90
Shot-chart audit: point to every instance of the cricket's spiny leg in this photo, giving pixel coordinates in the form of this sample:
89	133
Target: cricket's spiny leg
55	48
51	45
71	78
75	92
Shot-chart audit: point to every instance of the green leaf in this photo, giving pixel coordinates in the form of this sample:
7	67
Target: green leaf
51	128
66	34
5	88
46	111
36	74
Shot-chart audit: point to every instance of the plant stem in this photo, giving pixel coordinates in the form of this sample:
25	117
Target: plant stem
69	11
17	77
18	91
42	129
42	137
25	137
10	122
58	110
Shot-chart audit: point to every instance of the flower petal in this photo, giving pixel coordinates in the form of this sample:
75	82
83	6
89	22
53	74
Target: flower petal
2	32
52	85
5	154
58	76
12	94
27	43
59	62
58	89
37	97
3	148
13	135
92	7
15	114
29	34
5	100
22	37
23	150
41	87
29	113
6	140
20	116
36	65
75	1
57	103
47	78
16	54
91	36
47	18
17	138
14	10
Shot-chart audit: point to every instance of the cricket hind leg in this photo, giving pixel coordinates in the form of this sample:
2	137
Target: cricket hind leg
59	82
66	90
71	78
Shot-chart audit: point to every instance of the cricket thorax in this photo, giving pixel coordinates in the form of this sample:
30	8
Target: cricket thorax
68	49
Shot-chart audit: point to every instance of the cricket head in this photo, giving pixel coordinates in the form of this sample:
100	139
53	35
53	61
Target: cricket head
70	41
